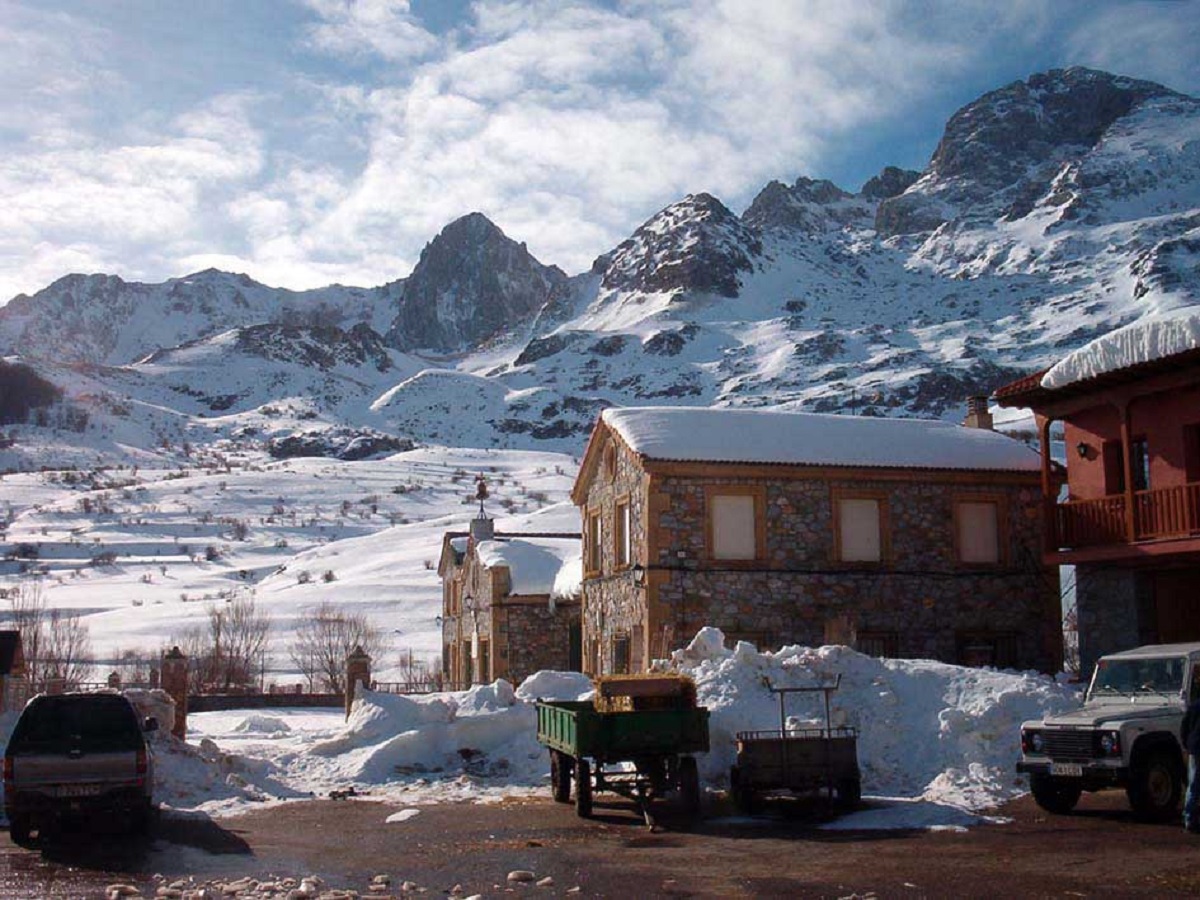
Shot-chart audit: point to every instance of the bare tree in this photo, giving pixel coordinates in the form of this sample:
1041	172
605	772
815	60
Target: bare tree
67	656
55	643
231	652
326	638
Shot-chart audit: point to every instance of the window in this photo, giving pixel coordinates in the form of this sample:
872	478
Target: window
884	644
1114	466
1191	453
620	654
621	535
592	558
859	529
978	526
987	648
733	526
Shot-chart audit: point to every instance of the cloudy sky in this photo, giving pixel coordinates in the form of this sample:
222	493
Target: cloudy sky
315	141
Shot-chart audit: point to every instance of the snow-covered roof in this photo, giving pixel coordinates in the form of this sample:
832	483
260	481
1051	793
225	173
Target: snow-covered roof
1147	340
760	436
536	565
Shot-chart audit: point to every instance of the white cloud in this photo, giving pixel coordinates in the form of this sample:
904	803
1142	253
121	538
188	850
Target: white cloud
566	122
385	28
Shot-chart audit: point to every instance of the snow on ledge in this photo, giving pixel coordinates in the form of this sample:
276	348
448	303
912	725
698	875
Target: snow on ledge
1147	340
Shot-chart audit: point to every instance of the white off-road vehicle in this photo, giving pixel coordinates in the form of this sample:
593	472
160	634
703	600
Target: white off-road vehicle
1125	735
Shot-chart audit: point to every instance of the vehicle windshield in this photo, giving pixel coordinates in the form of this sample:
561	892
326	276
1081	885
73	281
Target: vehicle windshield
1130	677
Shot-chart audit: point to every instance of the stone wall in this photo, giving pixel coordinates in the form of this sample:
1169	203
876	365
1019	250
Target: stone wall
926	602
1114	606
530	636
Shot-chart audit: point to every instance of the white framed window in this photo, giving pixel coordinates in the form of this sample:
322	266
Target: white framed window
978	525
622	536
594	532
860	529
734	526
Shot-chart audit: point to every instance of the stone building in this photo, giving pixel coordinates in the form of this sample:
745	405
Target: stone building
898	537
1129	407
510	603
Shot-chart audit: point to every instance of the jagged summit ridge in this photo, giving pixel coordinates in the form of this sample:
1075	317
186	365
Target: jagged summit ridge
696	244
1055	209
471	282
1001	152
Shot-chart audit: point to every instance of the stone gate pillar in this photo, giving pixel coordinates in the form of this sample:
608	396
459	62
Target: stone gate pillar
358	668
175	683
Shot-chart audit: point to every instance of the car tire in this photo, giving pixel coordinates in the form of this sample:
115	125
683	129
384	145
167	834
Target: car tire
20	830
560	776
1054	794
583	789
1156	785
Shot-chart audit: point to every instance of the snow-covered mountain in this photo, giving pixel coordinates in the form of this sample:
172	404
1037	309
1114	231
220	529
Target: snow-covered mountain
1053	209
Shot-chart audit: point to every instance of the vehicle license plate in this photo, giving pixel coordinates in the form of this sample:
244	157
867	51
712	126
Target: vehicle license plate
78	790
1069	770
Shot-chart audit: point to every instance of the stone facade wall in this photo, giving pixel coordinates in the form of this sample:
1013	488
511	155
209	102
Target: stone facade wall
521	635
1114	607
926	602
531	637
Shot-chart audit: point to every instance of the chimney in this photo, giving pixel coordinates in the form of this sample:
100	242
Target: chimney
482	529
977	414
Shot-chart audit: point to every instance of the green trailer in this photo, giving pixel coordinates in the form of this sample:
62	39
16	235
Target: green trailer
640	754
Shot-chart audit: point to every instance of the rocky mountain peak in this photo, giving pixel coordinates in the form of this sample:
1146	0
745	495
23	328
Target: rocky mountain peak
891	182
471	282
696	244
808	205
1000	152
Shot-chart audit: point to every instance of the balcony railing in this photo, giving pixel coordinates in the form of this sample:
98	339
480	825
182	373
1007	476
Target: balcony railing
1157	514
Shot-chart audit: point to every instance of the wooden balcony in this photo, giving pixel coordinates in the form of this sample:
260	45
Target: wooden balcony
1160	514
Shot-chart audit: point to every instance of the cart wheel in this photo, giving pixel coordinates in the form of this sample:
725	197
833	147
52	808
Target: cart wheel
849	794
743	795
560	776
583	788
689	785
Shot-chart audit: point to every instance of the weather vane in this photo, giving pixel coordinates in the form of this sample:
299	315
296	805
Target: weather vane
481	493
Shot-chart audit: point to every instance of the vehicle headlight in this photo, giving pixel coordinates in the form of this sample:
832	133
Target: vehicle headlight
1032	741
1110	743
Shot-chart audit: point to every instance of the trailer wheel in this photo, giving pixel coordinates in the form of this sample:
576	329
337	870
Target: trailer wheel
689	785
743	795
583	788
560	776
849	794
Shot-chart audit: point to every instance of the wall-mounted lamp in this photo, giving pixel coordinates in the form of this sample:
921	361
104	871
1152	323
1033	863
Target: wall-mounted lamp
438	620
639	573
1084	450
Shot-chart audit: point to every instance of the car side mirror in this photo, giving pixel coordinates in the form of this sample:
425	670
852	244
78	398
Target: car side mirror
151	724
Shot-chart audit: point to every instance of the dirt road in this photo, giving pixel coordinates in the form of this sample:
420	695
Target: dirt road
1101	851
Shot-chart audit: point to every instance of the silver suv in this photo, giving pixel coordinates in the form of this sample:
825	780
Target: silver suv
1126	734
78	756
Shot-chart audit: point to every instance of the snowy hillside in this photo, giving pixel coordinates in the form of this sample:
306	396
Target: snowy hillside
144	553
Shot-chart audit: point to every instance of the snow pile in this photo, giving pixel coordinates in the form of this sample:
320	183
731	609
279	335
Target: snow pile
1147	340
926	730
937	742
